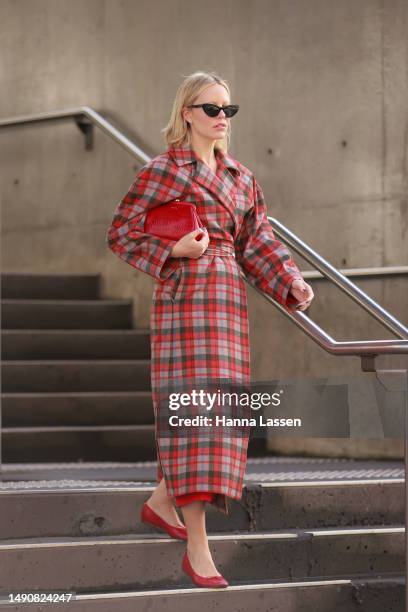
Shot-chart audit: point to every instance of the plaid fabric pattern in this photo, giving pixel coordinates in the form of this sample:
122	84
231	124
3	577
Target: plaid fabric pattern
266	262
199	320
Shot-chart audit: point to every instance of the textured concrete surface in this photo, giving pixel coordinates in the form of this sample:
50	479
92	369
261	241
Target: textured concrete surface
259	470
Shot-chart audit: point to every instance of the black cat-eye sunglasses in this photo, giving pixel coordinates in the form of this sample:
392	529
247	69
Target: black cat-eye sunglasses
212	110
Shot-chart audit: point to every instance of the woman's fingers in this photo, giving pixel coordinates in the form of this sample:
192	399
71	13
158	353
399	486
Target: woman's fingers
303	305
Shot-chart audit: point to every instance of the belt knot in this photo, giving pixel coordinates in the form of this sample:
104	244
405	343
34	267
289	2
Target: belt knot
225	249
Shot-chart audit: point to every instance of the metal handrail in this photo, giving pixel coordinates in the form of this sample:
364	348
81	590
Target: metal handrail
367	350
346	285
335	347
362	272
364	347
85	118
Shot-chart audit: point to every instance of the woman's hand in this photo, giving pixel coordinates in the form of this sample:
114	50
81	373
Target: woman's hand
302	292
188	246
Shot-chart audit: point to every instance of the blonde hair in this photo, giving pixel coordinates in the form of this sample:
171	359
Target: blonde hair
178	130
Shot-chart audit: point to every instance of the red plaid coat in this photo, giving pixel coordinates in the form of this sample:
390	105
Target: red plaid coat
199	322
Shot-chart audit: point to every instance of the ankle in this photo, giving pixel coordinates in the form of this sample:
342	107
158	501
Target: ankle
198	547
158	498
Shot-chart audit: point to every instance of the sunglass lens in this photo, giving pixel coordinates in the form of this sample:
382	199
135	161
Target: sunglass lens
231	110
211	110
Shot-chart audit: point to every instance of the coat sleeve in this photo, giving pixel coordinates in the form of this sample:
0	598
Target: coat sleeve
266	262
126	237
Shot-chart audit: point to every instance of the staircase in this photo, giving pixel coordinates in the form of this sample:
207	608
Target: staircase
76	389
303	547
76	376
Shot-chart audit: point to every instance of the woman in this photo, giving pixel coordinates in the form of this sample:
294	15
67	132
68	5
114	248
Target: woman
199	324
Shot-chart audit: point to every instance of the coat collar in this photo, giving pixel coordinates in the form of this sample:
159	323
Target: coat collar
185	154
222	185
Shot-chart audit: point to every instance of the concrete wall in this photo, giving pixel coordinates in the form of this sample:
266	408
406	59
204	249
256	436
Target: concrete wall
323	90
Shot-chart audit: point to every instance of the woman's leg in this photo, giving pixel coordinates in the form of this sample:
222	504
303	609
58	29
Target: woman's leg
197	543
162	504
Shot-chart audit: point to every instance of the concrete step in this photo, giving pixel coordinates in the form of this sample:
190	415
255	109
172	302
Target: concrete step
135	562
77	409
50	286
66	314
88	443
76	375
75	344
91	443
75	508
354	594
265	470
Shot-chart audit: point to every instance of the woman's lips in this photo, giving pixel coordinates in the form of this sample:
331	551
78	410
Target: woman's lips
220	126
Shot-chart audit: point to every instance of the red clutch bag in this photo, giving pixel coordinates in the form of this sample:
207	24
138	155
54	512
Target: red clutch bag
172	220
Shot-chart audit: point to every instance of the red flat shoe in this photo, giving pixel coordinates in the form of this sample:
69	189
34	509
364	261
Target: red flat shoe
202	581
149	516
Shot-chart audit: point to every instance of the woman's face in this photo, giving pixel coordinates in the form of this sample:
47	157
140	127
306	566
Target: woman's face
201	124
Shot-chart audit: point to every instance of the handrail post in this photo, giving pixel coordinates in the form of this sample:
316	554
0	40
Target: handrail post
368	362
87	128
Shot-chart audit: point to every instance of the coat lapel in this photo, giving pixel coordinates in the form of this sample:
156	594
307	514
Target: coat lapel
222	185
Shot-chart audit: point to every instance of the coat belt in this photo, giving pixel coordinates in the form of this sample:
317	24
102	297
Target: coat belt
225	249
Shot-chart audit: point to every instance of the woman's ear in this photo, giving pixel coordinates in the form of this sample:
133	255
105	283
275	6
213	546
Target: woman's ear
185	114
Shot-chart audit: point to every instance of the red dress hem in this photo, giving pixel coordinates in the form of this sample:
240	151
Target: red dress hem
182	500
